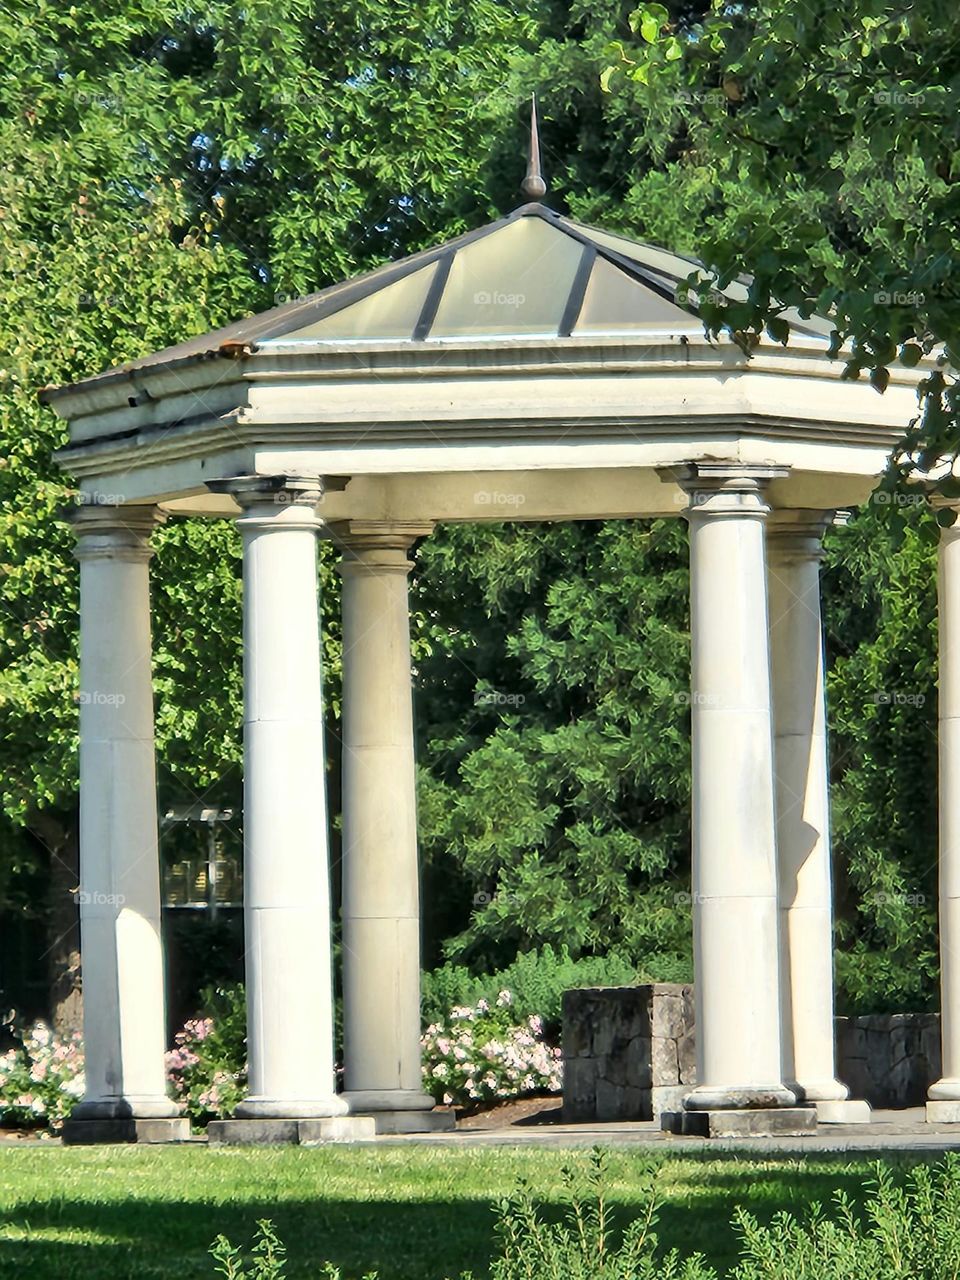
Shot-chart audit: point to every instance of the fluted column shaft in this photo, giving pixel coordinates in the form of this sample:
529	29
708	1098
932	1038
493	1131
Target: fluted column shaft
794	550
119	895
736	962
286	862
381	891
944	1095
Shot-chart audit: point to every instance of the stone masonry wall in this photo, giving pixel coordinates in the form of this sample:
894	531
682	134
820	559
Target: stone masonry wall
628	1053
889	1059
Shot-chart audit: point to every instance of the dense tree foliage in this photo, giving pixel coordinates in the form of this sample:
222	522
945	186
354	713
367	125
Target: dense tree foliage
558	752
165	171
833	136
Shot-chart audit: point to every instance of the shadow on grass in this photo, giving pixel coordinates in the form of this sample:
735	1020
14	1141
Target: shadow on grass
76	1237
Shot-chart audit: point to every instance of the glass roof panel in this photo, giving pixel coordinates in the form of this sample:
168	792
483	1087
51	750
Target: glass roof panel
613	302
514	281
391	312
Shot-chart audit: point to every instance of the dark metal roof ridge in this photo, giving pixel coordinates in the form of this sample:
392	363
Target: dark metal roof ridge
571	312
431	303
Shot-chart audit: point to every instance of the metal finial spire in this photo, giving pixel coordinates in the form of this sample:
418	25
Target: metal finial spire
533	185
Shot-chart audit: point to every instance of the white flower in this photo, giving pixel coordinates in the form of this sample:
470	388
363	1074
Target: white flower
75	1087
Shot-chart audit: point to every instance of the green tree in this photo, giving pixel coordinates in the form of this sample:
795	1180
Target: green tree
555	696
831	138
166	171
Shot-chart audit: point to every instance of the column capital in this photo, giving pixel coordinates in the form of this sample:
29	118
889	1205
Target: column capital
724	488
277	501
377	544
797	533
107	531
283	489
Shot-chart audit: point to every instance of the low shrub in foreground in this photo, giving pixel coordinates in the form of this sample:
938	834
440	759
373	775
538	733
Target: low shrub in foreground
907	1231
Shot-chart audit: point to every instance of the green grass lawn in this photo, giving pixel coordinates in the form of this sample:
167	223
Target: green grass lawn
412	1213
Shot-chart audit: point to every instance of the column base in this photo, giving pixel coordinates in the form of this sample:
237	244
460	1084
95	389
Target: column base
756	1122
146	1129
127	1107
843	1111
361	1101
759	1097
942	1111
826	1090
260	1108
946	1089
400	1110
943	1106
291	1131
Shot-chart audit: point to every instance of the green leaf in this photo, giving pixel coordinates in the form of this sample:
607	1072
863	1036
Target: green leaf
650	28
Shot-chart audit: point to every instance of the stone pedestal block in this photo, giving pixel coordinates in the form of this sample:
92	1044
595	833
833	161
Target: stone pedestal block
126	1129
843	1111
943	1112
304	1133
414	1121
889	1059
760	1122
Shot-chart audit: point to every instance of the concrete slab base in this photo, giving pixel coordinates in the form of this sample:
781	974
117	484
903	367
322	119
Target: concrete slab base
304	1133
784	1122
414	1121
843	1111
944	1112
126	1129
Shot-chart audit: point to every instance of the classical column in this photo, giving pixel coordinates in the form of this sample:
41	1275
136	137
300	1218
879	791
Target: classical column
286	868
944	1096
794	552
381	888
734	871
119	893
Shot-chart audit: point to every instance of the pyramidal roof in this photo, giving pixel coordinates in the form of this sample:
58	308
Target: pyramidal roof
531	274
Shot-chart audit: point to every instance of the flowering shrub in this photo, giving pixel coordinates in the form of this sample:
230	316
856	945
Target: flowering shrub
207	1065
536	981
482	1053
41	1078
